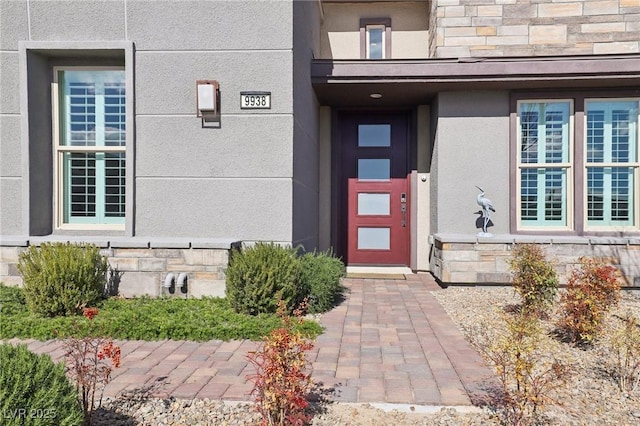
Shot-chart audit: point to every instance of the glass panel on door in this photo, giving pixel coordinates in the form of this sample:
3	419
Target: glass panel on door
374	169
374	135
374	238
374	204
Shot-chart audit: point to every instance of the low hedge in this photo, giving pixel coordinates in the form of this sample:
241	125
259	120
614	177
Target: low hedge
35	391
260	274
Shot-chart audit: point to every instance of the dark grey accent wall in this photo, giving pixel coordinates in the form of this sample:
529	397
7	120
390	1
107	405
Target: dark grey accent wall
306	40
40	147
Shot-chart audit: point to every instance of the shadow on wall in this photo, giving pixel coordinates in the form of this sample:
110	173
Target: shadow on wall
623	257
480	221
113	282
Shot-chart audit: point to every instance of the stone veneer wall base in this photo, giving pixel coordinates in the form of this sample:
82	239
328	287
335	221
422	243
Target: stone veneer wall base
140	267
465	259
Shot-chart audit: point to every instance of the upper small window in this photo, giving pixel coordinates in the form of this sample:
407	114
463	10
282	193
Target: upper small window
375	38
375	41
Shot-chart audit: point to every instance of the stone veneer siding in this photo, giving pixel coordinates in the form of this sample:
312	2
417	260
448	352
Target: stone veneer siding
142	266
535	27
473	260
433	34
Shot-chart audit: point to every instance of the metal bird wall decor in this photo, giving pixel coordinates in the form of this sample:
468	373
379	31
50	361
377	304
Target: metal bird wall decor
487	207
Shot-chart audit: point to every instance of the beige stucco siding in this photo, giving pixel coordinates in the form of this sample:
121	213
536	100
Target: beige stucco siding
340	32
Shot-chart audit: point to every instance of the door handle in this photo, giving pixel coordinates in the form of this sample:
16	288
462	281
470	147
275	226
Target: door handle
403	209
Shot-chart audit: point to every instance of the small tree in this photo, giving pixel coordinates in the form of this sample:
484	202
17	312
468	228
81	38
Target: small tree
282	383
534	278
625	345
592	290
89	363
528	375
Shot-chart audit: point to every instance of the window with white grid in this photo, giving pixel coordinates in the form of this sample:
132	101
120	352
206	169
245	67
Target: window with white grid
611	163
90	146
544	164
580	181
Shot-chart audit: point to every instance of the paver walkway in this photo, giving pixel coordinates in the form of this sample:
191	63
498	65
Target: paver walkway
390	341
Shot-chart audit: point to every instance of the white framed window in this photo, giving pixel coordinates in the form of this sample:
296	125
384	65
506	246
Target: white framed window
375	38
583	179
611	164
89	143
544	164
375	45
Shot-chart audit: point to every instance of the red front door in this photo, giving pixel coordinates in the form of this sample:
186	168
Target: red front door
375	191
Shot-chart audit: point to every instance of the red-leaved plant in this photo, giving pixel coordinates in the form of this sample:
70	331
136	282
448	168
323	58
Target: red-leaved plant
592	290
281	383
89	363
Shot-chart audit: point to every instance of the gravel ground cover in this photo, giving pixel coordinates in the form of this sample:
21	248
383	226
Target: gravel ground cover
157	412
591	396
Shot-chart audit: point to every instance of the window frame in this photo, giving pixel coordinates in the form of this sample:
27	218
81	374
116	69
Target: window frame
59	150
568	166
369	23
578	225
368	41
635	165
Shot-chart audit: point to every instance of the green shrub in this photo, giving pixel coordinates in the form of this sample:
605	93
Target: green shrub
258	274
35	391
592	290
11	300
322	272
61	279
534	278
147	318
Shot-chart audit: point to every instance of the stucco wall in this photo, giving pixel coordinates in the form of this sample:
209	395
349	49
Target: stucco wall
471	148
305	161
340	32
530	28
234	181
13	16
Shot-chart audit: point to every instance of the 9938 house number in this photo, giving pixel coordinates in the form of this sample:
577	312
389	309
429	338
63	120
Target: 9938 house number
255	100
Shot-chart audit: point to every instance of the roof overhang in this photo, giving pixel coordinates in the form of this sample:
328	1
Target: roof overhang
411	82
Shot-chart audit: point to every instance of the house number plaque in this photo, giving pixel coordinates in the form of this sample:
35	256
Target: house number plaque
255	100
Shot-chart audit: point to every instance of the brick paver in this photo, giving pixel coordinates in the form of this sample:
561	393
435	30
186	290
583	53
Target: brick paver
389	341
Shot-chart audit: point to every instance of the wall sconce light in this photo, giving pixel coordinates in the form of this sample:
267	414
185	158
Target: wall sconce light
207	100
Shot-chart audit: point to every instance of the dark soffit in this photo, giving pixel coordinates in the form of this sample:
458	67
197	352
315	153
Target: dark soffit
410	82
